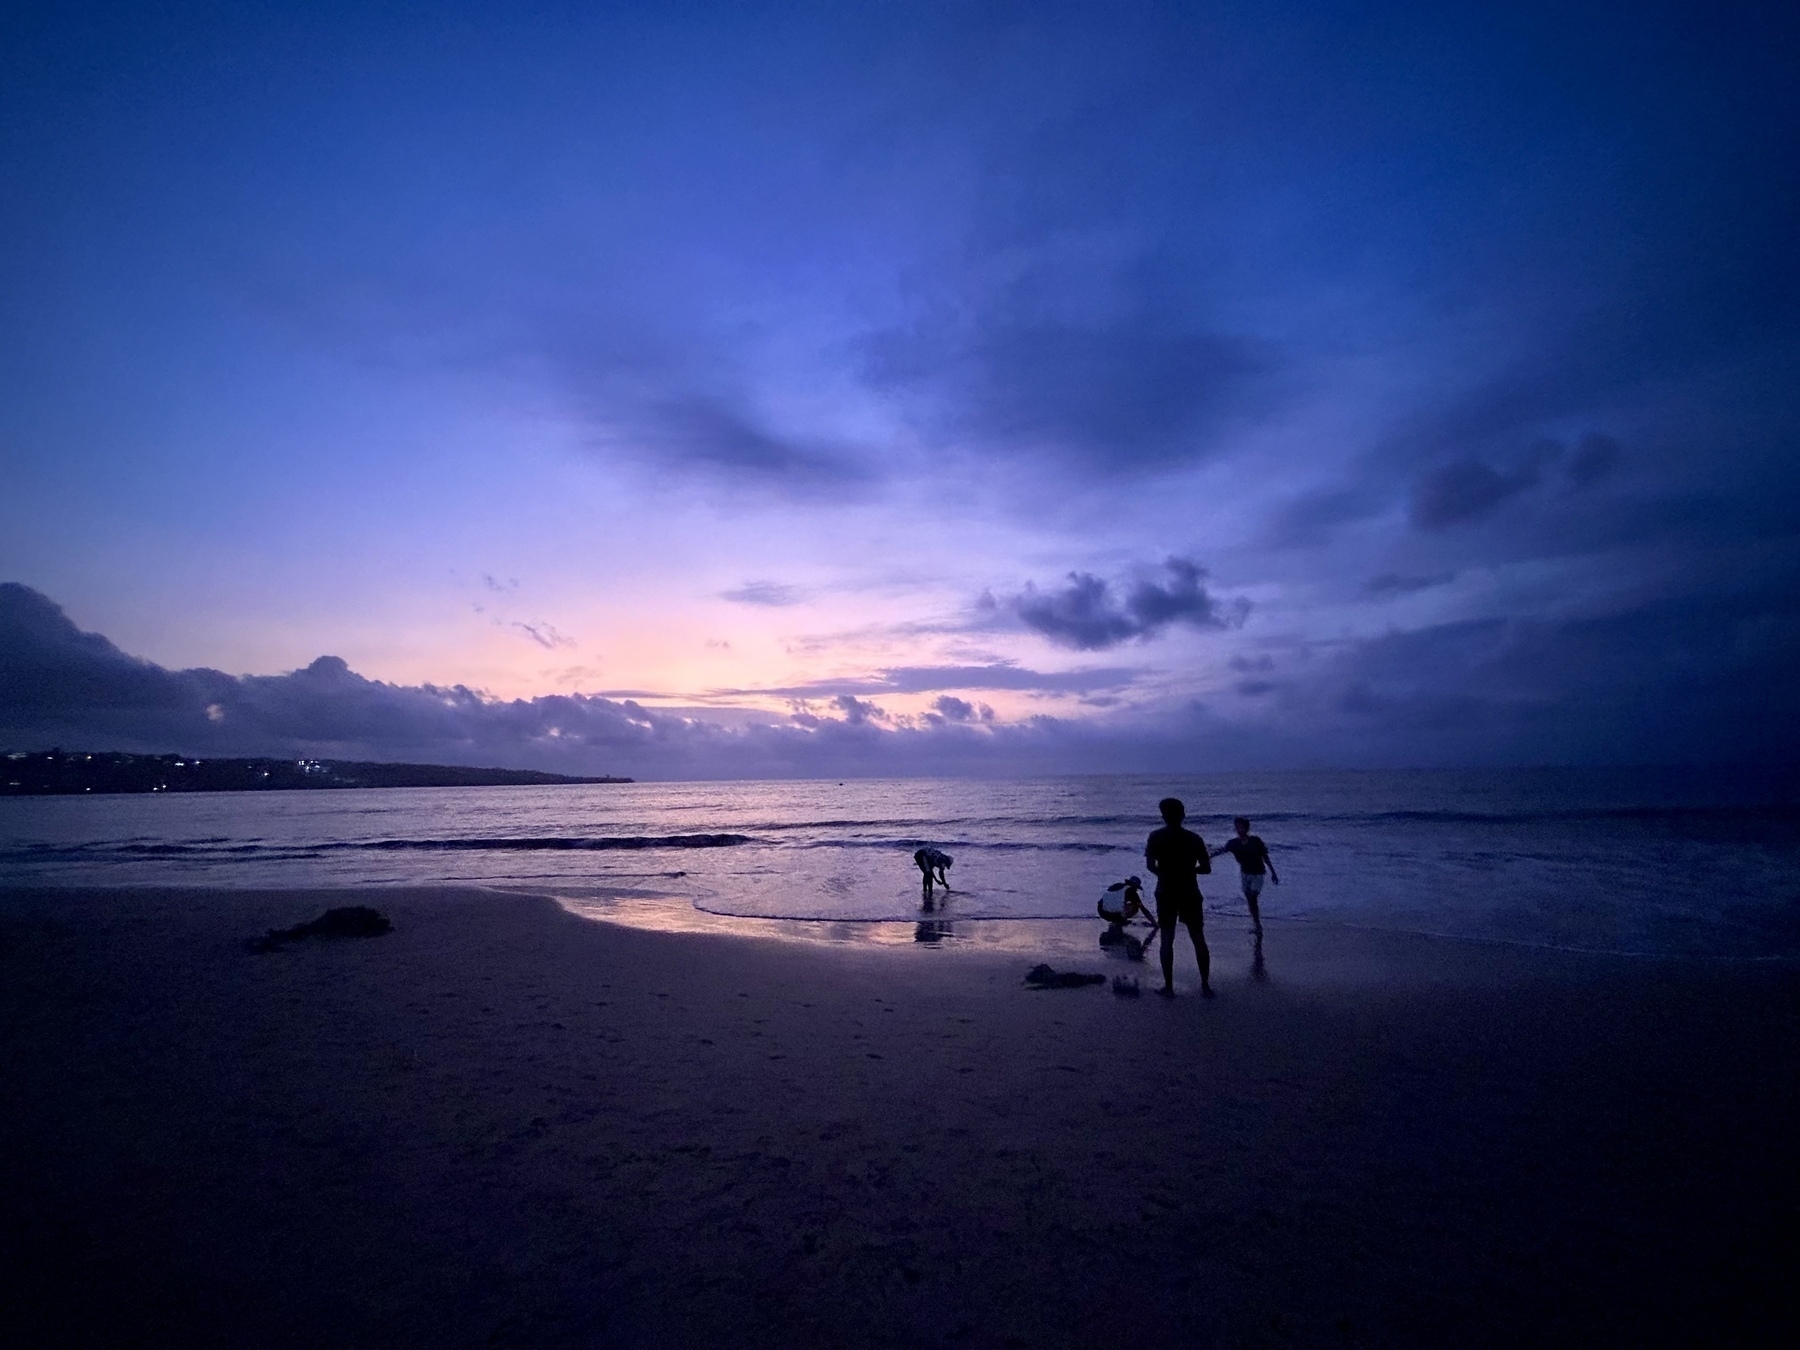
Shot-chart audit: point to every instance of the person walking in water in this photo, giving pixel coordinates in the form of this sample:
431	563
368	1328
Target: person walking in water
929	860
1253	861
1178	856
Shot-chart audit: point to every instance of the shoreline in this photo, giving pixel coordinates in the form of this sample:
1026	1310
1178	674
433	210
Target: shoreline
652	911
1068	936
505	1124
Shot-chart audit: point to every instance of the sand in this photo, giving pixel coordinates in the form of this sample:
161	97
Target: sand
505	1125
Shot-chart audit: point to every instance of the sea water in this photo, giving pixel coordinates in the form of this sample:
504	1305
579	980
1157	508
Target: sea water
1641	861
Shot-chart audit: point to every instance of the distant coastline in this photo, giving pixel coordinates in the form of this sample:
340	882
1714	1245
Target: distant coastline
46	773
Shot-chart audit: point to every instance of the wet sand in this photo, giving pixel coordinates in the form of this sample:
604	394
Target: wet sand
505	1125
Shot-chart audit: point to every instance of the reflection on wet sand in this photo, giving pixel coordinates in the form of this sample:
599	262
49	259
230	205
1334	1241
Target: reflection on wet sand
1053	939
1117	943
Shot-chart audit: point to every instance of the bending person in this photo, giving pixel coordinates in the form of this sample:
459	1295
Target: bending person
1123	902
932	860
1178	857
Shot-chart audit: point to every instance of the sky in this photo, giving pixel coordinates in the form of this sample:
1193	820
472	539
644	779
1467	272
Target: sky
765	389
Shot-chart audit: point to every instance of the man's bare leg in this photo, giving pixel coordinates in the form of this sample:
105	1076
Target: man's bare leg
1198	932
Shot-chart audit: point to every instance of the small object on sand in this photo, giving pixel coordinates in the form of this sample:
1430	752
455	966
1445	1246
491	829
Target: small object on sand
1044	977
1126	987
350	921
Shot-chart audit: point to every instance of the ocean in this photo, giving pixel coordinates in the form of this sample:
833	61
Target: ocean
1694	862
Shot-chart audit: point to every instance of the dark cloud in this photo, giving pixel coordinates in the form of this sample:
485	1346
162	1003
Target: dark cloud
926	679
61	686
1082	614
1467	490
54	675
545	635
1703	679
856	711
1086	615
1706	678
771	593
708	435
1311	518
1397	583
1595	457
948	708
1133	384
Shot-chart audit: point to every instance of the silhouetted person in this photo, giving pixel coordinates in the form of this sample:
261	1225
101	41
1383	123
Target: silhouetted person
1253	861
932	860
1123	902
1178	856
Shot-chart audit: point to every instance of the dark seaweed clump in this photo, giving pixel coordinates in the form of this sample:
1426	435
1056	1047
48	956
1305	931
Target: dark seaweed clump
349	921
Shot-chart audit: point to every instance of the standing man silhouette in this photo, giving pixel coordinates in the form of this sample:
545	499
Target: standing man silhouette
1178	856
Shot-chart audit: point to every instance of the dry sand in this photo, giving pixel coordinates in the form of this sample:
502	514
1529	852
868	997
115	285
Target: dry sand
503	1125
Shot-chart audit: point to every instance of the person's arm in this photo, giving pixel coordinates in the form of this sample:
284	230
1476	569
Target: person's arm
1273	876
1203	864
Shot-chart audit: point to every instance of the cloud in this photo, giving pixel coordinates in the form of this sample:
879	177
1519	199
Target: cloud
545	635
1707	678
948	708
1311	518
707	435
927	679
1086	616
1595	457
771	593
574	674
62	686
671	403
856	712
1081	615
51	672
1395	583
1465	491
1115	379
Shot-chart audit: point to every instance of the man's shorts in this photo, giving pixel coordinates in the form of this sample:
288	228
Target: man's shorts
1253	884
1174	909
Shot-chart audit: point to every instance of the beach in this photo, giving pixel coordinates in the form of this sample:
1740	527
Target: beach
507	1125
